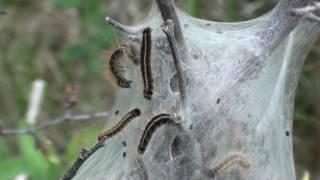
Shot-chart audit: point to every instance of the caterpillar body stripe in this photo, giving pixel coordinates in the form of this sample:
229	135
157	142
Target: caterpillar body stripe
120	125
117	69
146	63
229	162
152	126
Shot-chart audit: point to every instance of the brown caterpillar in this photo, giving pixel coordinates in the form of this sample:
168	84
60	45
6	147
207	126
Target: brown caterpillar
146	64
230	161
120	125
116	68
151	127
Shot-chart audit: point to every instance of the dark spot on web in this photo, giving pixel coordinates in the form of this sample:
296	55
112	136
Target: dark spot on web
287	133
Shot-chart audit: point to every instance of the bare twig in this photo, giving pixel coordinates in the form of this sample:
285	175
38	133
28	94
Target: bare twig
67	117
168	29
172	29
167	10
308	9
126	29
307	12
84	155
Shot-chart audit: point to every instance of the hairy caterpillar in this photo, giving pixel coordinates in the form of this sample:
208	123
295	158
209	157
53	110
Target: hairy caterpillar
230	161
151	127
116	68
120	125
146	63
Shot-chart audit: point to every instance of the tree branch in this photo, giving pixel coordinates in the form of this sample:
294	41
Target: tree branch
83	156
172	29
307	12
168	29
126	29
280	22
167	10
64	118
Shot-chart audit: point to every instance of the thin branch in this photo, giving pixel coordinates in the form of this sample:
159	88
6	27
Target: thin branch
307	12
308	9
313	17
168	29
83	156
126	29
167	10
280	22
172	29
65	118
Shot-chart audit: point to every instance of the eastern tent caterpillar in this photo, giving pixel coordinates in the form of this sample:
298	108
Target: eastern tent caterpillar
151	127
116	68
120	125
146	63
230	161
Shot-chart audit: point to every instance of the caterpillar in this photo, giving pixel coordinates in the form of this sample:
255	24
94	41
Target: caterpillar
151	127
120	125
230	161
116	67
146	63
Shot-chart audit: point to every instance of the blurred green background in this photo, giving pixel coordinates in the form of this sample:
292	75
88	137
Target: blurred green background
66	41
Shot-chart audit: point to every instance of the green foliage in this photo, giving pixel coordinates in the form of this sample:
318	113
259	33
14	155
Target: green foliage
30	161
10	168
66	3
7	2
233	10
97	37
4	150
37	164
193	7
90	53
75	52
83	139
30	155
